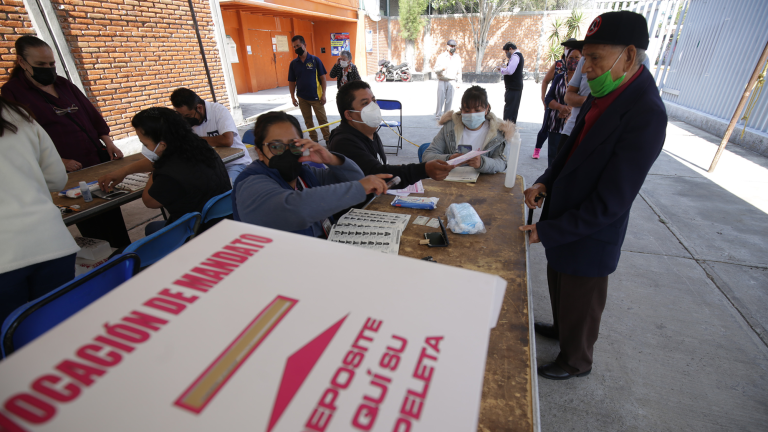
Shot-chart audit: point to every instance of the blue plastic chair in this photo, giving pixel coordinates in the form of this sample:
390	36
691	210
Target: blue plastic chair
392	105
40	315
422	149
155	246
217	207
249	138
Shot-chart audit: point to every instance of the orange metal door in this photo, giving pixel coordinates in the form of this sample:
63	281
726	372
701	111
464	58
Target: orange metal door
282	58
264	60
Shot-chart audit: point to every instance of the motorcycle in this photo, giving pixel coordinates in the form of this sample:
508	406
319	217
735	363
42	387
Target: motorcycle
388	71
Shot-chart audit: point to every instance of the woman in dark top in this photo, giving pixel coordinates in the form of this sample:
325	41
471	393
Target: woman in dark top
186	171
73	123
344	71
75	126
555	100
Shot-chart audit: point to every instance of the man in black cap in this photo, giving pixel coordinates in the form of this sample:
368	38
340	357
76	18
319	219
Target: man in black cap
513	81
448	69
592	183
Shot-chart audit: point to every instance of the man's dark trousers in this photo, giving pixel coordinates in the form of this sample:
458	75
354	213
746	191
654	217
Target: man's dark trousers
512	104
577	305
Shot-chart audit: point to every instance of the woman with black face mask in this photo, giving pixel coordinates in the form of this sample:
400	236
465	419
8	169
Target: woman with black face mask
278	191
78	130
74	124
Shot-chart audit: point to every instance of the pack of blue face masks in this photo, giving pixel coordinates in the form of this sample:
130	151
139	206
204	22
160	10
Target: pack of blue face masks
415	202
463	219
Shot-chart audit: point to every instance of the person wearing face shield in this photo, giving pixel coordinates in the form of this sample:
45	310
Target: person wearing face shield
78	130
212	122
475	127
513	81
448	69
185	170
357	139
344	71
591	185
279	191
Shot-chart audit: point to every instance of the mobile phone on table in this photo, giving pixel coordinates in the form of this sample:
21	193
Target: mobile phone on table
437	239
109	195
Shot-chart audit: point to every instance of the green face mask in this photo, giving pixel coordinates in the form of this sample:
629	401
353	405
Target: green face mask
603	84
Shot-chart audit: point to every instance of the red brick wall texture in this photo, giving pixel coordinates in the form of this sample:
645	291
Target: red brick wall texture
14	23
522	29
131	54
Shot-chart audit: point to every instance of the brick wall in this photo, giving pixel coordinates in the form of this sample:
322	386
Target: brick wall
379	41
130	54
14	23
522	29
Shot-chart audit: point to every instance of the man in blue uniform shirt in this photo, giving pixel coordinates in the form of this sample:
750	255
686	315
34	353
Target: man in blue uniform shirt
306	78
592	183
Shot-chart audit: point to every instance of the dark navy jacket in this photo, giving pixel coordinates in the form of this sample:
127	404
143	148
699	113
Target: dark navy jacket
585	215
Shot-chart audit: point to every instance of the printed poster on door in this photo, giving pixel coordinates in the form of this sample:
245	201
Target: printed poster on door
339	43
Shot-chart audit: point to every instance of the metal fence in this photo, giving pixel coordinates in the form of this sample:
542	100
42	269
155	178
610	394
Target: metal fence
717	50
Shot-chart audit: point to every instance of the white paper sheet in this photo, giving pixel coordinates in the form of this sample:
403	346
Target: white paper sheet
465	157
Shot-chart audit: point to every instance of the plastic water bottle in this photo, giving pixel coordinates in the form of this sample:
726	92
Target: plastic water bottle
513	149
86	191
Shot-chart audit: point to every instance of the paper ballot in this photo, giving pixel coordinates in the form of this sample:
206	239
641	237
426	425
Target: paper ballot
249	328
465	157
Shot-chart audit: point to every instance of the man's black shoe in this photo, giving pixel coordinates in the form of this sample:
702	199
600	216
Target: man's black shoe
554	372
546	330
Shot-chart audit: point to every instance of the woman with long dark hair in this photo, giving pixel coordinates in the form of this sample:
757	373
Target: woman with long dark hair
38	252
78	130
559	111
186	171
278	191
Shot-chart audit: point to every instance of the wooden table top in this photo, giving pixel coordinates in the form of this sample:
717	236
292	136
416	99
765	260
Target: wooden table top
508	402
99	205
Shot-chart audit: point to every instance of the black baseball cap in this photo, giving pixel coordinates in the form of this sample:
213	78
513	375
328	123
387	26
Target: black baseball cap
451	43
615	28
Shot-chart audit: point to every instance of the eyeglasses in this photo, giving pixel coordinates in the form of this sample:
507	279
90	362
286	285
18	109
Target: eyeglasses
278	147
65	111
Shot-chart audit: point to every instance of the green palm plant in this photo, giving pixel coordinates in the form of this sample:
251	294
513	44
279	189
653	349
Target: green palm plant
554	52
555	36
573	24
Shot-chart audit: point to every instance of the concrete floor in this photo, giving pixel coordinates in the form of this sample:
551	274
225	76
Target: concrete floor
683	341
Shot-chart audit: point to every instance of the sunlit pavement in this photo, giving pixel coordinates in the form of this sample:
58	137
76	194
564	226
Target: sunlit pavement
683	338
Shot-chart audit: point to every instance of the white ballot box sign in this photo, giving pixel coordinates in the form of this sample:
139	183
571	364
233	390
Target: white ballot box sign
248	328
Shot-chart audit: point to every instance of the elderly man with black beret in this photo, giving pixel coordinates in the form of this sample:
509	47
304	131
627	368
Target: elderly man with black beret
592	183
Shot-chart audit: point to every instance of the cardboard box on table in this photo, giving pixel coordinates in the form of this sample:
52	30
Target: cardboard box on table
303	335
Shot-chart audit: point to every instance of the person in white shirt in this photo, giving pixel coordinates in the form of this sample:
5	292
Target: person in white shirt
212	122
448	69
38	253
473	128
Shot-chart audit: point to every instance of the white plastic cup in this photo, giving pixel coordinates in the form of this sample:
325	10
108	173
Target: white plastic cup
513	154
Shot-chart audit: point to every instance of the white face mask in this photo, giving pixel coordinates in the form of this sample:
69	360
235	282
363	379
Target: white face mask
473	120
371	115
149	154
344	63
